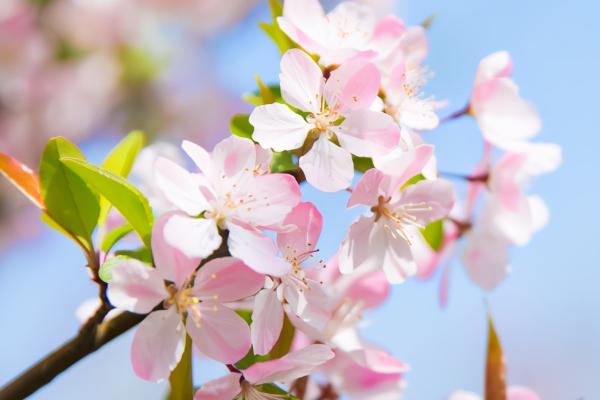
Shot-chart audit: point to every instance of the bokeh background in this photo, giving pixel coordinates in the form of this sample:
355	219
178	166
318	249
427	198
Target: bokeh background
547	312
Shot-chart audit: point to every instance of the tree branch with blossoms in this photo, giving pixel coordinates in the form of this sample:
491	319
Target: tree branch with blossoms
221	258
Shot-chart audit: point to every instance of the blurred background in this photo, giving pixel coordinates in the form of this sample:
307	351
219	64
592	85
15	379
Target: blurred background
94	69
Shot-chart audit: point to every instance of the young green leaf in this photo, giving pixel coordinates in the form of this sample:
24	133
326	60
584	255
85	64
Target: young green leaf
68	200
22	177
181	381
130	202
362	164
119	162
271	388
495	377
273	30
114	236
282	161
240	126
434	234
105	271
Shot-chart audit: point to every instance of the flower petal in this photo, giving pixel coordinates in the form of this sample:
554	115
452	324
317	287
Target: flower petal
219	332
267	321
486	259
227	279
171	263
327	166
279	128
521	393
136	287
179	186
437	194
289	367
158	345
403	165
308	222
368	189
194	237
227	387
352	86
257	250
367	133
301	81
198	154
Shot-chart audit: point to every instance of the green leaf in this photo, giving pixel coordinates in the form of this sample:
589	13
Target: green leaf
495	374
68	199
181	381
274	389
434	234
281	348
240	126
119	162
272	93
114	236
282	161
362	164
413	180
142	254
138	65
273	30
122	195
105	271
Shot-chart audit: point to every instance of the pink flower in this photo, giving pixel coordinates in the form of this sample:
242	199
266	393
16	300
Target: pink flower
342	34
292	292
232	193
383	239
503	116
367	373
285	369
513	393
346	95
216	330
515	215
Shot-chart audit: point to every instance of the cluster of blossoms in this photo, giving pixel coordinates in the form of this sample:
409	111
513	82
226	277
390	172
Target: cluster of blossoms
229	266
81	67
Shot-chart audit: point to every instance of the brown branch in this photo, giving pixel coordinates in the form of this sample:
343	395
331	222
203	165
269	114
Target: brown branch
90	338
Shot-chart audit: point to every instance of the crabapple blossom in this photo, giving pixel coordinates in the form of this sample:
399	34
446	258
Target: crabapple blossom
383	239
345	96
504	117
231	193
180	299
293	292
293	365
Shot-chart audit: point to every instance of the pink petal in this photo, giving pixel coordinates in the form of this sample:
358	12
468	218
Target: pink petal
438	194
268	200
158	345
327	166
193	237
521	393
291	366
504	180
136	287
171	263
227	279
267	321
233	156
371	289
403	165
219	332
368	189
197	153
257	250
486	260
279	128
227	387
367	133
354	250
419	114
304	22
352	86
301	81
312	305
387	33
179	186
308	222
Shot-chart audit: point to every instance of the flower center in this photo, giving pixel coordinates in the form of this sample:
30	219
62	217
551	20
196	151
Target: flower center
402	217
322	121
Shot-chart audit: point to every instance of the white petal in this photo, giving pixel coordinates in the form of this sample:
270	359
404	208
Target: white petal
327	166
278	128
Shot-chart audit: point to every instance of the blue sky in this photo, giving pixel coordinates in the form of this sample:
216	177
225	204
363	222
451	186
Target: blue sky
547	313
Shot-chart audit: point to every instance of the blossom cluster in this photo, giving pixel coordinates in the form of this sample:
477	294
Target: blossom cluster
232	264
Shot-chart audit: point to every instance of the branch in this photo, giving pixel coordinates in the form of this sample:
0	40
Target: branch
90	338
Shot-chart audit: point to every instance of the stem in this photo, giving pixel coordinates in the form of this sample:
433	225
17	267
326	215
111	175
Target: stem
482	178
90	338
456	114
